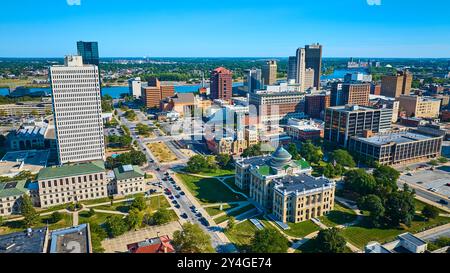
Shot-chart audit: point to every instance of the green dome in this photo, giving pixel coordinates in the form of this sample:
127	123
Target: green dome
280	157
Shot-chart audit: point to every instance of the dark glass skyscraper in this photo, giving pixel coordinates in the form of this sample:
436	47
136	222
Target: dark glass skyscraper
89	52
314	60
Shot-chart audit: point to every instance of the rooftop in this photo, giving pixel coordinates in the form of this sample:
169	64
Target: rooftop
13	188
395	137
71	170
71	240
128	172
13	163
155	245
301	182
24	242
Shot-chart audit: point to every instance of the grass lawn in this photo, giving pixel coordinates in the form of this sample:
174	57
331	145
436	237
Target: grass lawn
216	209
340	215
98	218
301	229
237	212
420	205
362	233
17	226
241	235
219	172
153	203
162	152
230	182
157	202
96	201
209	190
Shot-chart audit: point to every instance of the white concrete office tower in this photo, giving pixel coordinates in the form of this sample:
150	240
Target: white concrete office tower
134	86
301	67
77	111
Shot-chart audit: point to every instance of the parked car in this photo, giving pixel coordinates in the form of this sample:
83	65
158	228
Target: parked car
184	216
443	202
204	222
177	196
182	192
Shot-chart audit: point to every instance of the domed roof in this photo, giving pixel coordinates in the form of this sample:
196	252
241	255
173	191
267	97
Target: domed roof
280	157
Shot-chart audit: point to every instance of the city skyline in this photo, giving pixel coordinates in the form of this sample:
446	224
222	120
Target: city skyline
186	29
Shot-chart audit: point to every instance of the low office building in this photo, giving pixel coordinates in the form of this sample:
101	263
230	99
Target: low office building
397	147
71	240
420	107
128	179
304	129
29	241
302	197
13	163
72	183
10	197
34	135
405	243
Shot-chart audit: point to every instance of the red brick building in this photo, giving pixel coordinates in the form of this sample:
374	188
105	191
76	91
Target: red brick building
221	84
154	93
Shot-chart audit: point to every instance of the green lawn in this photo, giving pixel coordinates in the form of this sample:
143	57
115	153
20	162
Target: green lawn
209	190
230	182
219	172
241	235
339	216
311	247
301	229
237	212
16	226
98	218
362	233
420	205
212	211
153	203
157	202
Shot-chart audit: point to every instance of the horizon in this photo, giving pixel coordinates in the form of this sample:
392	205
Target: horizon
387	29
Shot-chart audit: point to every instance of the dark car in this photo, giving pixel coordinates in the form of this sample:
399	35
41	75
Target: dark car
204	221
174	202
444	202
182	192
184	216
192	207
177	206
177	196
199	214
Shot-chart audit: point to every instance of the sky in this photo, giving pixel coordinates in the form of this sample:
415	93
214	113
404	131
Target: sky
207	28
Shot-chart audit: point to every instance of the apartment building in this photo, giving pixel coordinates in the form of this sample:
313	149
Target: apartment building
221	86
343	122
77	111
420	107
72	183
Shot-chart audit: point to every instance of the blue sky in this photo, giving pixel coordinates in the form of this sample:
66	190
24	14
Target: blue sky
177	28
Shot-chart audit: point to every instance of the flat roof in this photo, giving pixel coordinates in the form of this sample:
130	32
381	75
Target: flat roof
33	161
71	240
396	137
71	170
412	239
301	182
24	242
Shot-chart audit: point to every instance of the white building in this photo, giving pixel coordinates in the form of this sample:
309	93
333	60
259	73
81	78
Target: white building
134	86
301	67
77	111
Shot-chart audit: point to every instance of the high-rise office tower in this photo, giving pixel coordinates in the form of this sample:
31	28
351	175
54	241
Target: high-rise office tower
77	111
313	59
89	52
134	87
309	78
252	79
343	122
269	72
394	86
300	77
221	84
292	69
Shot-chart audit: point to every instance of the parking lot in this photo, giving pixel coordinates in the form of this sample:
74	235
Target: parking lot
438	179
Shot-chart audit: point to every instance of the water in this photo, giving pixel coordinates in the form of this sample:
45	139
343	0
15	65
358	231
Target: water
115	91
340	73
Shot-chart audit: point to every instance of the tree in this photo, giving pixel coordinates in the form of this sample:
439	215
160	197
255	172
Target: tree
223	160
91	212
1	221
139	203
30	215
442	160
374	205
331	171
400	207
310	152
254	150
342	157
143	129
192	239
330	241
360	182
292	149
269	241
430	212
196	164
161	217
115	226
231	223
386	177
98	234
56	217
134	219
